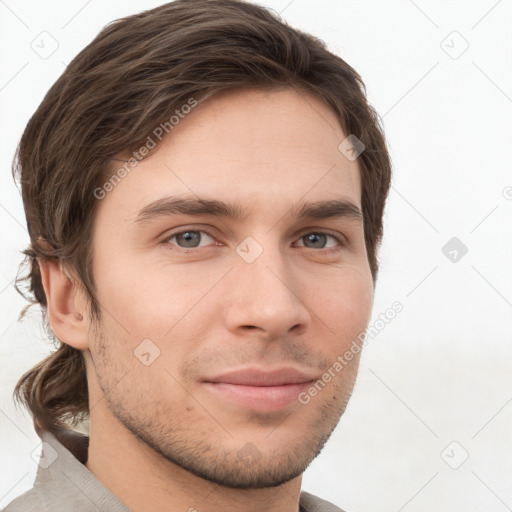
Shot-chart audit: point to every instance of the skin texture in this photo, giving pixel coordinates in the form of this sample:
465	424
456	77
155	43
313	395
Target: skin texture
159	439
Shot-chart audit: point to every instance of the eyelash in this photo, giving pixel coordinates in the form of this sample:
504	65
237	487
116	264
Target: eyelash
183	250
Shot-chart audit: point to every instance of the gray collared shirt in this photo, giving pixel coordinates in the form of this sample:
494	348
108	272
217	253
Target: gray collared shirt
64	484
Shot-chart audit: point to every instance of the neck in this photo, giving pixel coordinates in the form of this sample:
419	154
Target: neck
147	481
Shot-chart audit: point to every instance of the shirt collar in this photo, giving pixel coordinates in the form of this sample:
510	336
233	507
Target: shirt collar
62	475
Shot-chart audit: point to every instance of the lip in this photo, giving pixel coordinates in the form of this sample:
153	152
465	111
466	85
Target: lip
259	390
258	377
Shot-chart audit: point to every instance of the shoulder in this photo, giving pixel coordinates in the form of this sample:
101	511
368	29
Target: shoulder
27	502
312	503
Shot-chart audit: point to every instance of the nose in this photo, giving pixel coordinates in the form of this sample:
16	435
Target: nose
266	296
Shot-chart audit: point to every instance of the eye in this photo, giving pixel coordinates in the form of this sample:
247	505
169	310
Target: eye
188	239
317	240
195	239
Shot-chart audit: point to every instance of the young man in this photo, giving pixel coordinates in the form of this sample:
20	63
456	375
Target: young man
204	189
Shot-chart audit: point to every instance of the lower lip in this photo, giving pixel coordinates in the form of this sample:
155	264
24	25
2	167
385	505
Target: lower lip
259	398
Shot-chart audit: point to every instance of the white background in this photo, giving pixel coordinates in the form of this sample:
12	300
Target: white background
441	370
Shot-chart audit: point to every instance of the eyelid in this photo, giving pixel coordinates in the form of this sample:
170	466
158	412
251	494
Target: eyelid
165	239
339	237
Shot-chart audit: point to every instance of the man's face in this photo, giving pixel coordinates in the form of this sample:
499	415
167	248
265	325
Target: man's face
214	294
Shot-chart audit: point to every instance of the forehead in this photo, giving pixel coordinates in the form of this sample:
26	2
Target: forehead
268	149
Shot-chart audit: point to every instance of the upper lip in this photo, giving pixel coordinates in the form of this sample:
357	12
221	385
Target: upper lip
258	377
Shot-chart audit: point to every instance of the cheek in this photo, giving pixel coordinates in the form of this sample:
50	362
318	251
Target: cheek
124	365
143	301
346	310
344	305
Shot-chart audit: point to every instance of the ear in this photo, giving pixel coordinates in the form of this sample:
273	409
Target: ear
66	305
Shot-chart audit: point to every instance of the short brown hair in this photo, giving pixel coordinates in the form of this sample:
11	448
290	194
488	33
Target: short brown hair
128	80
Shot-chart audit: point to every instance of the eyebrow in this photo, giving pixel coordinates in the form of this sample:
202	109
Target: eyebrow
317	210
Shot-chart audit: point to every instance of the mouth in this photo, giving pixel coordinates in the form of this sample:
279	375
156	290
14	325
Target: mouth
258	390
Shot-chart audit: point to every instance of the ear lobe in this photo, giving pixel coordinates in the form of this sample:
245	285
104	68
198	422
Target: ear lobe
65	313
